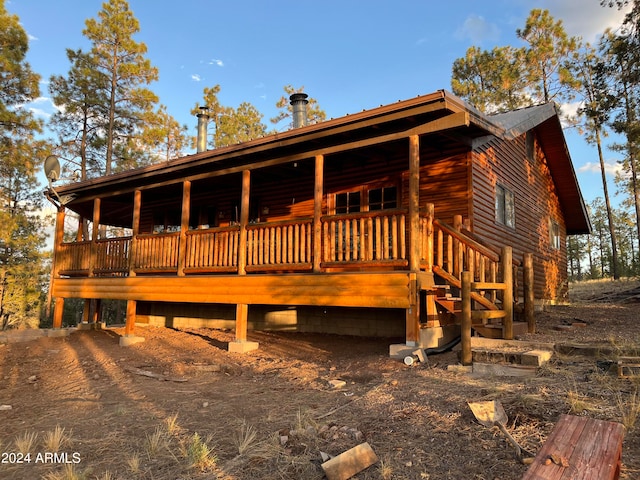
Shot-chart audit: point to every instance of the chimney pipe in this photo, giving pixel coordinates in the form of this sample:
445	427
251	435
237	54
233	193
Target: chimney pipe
203	119
299	103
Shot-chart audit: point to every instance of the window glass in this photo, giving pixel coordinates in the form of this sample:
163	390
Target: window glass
554	234
383	198
505	207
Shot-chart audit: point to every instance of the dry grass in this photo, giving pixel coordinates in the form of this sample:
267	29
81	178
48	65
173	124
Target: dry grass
57	439
198	453
157	442
133	463
26	442
245	438
68	472
629	407
591	289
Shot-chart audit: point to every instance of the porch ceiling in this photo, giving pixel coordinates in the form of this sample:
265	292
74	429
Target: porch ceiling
353	133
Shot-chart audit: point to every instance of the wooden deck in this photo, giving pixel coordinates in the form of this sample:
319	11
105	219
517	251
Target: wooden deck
379	290
579	448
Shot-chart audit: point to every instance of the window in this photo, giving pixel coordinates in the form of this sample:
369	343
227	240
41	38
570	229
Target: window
505	207
530	145
347	202
383	198
554	234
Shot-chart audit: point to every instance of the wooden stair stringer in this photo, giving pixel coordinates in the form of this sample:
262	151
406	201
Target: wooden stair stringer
486	303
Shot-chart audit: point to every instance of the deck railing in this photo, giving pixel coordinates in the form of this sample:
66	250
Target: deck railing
113	256
156	253
377	237
280	245
364	239
73	258
212	250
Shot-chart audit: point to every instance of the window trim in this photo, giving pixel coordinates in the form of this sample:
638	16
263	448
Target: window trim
505	207
554	234
363	190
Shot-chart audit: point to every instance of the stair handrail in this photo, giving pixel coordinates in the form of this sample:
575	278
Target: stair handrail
489	252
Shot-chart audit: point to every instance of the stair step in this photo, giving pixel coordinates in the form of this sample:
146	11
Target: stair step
495	330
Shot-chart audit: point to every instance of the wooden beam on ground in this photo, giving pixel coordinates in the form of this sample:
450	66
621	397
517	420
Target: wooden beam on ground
349	463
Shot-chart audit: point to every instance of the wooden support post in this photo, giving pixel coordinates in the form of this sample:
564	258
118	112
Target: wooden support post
130	322
506	260
242	315
241	345
244	220
458	248
429	254
412	314
86	311
57	242
318	190
465	324
184	226
94	236
58	310
79	232
135	230
528	290
414	203
96	315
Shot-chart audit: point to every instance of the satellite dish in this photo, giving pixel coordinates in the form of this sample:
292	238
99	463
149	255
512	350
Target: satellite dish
52	168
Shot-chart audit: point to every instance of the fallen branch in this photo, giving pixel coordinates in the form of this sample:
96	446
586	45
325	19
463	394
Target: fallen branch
147	373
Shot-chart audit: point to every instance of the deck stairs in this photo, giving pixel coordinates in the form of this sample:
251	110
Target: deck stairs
485	321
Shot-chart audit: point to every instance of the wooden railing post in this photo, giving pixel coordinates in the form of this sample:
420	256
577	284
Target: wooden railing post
506	262
184	226
94	236
465	323
244	221
414	206
135	230
458	248
429	254
528	291
57	244
318	189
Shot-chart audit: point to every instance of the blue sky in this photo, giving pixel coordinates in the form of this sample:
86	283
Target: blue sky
350	55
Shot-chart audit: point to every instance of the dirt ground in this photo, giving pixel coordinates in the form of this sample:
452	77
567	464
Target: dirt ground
80	410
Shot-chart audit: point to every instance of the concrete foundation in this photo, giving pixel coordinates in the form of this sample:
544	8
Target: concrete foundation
129	340
242	347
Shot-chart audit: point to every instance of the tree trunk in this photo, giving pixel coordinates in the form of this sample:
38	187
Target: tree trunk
614	243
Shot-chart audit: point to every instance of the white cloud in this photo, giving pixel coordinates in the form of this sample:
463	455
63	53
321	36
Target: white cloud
217	62
477	30
610	167
585	18
196	78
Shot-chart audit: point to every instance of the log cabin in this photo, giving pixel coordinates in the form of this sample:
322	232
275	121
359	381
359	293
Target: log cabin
415	219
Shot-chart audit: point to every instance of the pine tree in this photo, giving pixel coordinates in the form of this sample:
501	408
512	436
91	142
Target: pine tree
230	125
314	113
548	58
22	232
121	60
79	123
